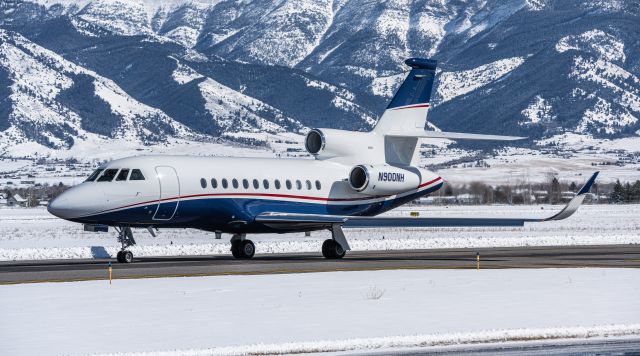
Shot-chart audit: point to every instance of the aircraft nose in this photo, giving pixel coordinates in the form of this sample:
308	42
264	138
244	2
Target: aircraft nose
59	206
65	206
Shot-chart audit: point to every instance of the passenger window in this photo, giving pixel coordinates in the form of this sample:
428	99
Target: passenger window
234	182
94	175
265	184
225	184
277	184
108	175
308	185
256	184
298	185
136	174
124	173
318	185
245	184
288	183
214	183
203	183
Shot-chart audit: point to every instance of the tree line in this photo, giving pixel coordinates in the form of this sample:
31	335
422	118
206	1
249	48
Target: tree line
626	193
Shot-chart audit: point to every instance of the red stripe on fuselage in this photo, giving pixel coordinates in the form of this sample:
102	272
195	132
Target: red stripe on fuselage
412	107
259	195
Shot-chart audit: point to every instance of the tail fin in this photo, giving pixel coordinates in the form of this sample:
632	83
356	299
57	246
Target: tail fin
407	111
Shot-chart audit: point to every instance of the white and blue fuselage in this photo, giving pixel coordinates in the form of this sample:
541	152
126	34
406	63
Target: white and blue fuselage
224	194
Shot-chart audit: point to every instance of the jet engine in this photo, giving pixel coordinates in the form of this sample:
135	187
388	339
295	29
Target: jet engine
383	179
328	143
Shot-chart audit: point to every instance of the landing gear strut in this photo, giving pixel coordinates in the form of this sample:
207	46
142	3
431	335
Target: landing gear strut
242	248
125	237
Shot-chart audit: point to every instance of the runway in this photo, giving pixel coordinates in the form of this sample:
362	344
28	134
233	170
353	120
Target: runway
619	256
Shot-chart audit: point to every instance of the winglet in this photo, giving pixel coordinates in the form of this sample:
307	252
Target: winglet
574	204
587	186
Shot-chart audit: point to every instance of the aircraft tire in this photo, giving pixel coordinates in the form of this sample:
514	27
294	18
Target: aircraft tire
119	256
246	249
235	249
332	250
127	256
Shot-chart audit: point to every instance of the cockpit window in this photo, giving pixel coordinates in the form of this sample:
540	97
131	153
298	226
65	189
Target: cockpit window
136	174
124	173
94	175
108	175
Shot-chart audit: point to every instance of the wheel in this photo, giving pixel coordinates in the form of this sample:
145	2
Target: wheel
332	250
127	256
247	249
119	256
235	248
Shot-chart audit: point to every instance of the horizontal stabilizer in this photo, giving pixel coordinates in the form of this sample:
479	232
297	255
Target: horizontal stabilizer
300	221
455	136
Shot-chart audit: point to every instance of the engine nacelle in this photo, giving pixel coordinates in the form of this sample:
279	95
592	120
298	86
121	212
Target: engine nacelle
328	143
383	179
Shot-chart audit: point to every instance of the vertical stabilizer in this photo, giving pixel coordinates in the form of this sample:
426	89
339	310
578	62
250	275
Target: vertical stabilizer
407	112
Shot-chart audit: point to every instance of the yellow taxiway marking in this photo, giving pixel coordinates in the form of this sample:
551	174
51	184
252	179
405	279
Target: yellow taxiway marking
292	271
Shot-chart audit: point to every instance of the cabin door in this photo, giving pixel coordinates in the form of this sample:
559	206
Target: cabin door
169	193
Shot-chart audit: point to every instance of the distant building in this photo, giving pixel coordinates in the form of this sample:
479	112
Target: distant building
17	200
540	195
437	200
467	198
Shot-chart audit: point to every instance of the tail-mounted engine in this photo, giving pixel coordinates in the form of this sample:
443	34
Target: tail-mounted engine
329	143
383	179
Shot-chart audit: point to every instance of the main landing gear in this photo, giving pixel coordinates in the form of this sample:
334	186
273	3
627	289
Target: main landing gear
241	248
332	250
337	246
125	237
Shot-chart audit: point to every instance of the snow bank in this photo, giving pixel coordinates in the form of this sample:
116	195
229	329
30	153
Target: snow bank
317	312
397	342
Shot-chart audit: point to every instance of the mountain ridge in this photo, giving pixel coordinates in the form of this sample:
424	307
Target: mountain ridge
249	71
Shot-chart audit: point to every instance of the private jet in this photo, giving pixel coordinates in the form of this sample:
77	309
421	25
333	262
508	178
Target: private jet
353	177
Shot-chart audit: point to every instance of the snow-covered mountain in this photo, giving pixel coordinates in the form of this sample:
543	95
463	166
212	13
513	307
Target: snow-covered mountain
149	70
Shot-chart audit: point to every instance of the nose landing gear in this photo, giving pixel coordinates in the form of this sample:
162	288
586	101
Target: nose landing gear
125	237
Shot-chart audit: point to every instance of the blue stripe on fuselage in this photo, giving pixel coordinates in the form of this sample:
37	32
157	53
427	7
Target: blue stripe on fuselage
218	214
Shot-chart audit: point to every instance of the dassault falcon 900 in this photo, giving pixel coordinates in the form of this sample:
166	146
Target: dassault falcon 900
354	177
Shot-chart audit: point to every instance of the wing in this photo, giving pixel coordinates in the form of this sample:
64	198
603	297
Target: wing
456	136
301	221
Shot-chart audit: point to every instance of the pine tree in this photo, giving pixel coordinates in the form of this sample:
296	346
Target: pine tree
617	196
635	192
573	187
555	192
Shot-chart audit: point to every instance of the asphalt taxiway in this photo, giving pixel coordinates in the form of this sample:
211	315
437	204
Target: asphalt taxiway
619	256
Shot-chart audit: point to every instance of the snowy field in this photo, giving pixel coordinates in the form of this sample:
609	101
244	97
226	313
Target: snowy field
30	234
317	312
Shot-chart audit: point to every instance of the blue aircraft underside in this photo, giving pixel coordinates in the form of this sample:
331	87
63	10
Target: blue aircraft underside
235	214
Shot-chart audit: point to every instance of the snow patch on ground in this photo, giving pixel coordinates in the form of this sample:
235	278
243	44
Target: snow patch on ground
184	74
387	86
289	313
539	110
595	41
603	115
454	84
